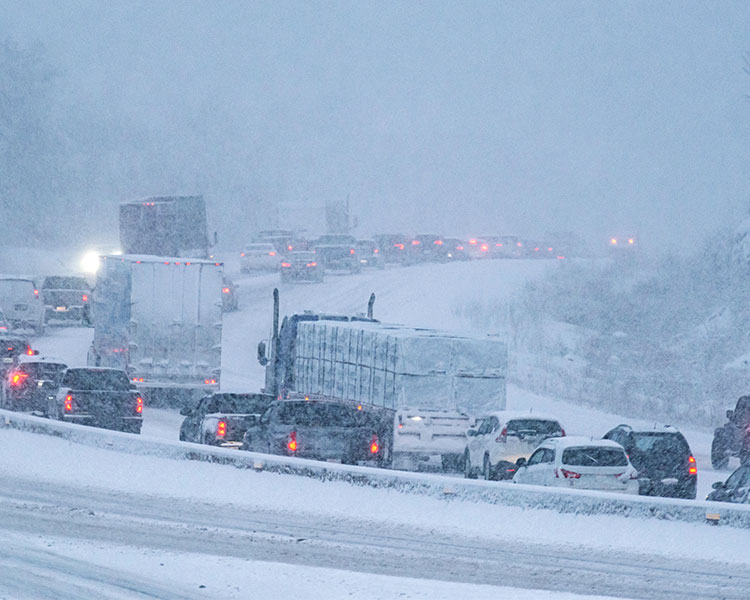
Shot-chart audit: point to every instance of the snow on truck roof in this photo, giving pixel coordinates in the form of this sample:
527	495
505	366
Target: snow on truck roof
397	330
174	260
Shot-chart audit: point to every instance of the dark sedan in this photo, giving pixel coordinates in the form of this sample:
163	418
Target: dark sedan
301	266
32	385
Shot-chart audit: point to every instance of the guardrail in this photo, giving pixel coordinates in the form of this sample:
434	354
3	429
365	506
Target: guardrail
507	494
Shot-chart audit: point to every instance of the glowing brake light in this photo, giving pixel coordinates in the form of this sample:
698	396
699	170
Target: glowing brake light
139	405
415	242
68	403
225	290
312	264
459	247
438	242
399	246
138	379
36	293
631	241
29	351
242	254
473	242
613	241
290	248
351	250
291	442
85	297
286	265
209	381
376	251
568	474
272	253
18	378
692	467
484	247
221	429
374	444
499	244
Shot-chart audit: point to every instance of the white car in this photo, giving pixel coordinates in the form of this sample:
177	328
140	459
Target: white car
499	439
20	301
259	257
579	463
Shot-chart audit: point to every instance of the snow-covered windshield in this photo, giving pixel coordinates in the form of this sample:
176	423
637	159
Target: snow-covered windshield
534	427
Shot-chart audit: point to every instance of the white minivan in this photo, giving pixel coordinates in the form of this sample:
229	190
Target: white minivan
21	303
579	463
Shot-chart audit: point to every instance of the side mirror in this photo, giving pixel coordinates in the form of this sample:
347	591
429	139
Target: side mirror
185	411
471	432
262	359
718	485
521	462
730	414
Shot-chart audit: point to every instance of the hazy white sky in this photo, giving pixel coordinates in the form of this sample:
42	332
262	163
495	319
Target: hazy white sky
459	117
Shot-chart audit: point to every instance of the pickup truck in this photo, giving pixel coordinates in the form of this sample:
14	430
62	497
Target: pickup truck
98	396
222	418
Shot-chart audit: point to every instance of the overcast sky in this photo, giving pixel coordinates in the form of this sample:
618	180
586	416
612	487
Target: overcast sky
458	117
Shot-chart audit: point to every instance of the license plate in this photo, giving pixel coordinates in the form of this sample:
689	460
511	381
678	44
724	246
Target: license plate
61	308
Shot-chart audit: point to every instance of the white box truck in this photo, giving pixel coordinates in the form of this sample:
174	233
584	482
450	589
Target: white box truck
434	382
160	319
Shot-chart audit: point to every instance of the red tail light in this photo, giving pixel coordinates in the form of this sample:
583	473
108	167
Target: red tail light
459	247
519	244
16	379
272	253
568	474
415	242
499	245
692	467
221	429
484	247
286	265
209	381
473	242
399	246
242	254
68	403
290	248
376	251
29	351
351	250
374	444
139	405
438	242
312	264
503	435
85	298
291	442
36	293
562	432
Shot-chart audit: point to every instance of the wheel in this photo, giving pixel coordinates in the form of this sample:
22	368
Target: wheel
487	469
468	469
719	458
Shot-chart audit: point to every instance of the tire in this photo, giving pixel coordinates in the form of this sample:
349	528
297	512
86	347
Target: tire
719	458
487	469
468	469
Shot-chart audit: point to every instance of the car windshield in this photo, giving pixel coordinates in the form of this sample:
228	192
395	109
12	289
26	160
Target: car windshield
65	283
534	427
52	371
661	444
740	478
317	414
594	456
237	405
96	379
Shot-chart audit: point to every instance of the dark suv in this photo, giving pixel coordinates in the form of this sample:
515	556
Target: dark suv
733	438
662	457
67	299
735	489
323	430
32	385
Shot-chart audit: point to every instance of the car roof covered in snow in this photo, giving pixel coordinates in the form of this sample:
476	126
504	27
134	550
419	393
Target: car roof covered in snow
575	441
655	428
146	258
510	415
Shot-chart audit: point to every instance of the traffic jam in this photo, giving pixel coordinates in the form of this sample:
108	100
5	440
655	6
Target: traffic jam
338	388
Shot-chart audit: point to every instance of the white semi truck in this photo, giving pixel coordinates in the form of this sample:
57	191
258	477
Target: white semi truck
160	319
435	383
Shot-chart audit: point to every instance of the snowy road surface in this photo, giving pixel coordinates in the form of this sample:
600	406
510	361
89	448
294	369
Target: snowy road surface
75	518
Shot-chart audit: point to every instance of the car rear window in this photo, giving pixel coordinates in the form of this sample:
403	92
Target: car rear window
65	283
594	456
259	248
51	371
16	289
534	427
317	414
662	444
91	379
